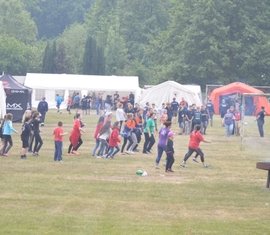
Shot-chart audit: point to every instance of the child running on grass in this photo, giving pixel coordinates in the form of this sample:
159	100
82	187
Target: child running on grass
194	142
114	140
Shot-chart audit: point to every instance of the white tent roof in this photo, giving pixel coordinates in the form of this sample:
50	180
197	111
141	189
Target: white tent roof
79	82
166	91
2	101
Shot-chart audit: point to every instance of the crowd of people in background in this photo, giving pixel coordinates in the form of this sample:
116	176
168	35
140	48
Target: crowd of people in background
134	130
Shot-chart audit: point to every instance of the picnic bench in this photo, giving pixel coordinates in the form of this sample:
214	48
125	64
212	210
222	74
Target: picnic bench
265	166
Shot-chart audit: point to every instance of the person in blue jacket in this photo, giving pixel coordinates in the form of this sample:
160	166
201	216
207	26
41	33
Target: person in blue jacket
7	132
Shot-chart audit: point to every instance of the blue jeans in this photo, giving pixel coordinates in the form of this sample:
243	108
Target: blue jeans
58	150
112	151
103	147
229	129
96	147
160	149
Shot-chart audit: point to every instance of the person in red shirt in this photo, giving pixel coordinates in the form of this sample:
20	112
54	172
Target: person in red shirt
194	145
114	140
75	136
58	141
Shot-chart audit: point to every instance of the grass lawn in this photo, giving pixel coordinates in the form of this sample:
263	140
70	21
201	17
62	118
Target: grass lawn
84	195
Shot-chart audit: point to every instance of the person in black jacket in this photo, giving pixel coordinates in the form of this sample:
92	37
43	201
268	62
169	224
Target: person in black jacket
169	152
42	109
38	141
25	135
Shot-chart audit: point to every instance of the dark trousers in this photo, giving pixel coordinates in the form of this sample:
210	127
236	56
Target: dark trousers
149	141
260	127
31	141
125	143
78	144
170	161
38	142
191	150
160	151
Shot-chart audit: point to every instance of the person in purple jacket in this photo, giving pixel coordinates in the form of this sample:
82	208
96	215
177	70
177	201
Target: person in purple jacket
162	141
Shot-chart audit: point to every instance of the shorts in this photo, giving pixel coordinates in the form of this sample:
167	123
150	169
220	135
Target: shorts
25	143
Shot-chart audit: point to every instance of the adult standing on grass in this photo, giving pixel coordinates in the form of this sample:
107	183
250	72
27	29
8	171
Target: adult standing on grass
194	145
228	122
149	138
25	136
162	141
7	132
43	109
58	141
260	121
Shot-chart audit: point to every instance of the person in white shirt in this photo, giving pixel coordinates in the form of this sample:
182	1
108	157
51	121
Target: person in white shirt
120	115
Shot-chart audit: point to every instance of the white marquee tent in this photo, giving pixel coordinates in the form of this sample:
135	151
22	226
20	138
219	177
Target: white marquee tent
166	91
48	85
2	101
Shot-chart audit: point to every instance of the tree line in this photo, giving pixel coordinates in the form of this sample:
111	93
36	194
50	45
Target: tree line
188	41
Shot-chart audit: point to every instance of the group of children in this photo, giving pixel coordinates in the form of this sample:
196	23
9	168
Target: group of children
107	136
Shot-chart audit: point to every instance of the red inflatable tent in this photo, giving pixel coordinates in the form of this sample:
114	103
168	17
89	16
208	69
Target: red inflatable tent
238	87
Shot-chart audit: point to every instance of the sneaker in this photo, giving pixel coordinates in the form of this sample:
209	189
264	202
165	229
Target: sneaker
195	160
205	165
131	152
183	165
157	166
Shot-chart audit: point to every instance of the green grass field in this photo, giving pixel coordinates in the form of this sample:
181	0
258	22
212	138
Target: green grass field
84	195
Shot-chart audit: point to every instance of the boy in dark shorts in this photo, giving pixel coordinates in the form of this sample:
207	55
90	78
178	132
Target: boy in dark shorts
25	135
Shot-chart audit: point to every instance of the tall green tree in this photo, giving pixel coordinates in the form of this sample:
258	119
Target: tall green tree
14	55
15	21
74	40
53	16
49	58
116	52
61	59
90	57
213	42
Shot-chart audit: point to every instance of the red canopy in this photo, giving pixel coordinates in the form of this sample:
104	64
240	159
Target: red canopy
238	87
